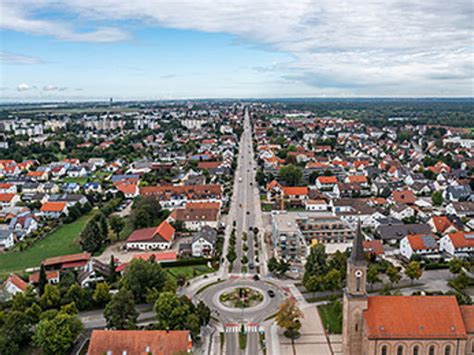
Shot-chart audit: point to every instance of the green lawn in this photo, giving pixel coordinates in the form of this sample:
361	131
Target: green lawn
60	242
331	316
189	271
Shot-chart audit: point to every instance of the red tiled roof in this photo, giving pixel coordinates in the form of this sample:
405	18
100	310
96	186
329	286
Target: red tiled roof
417	241
6	197
327	179
36	173
467	313
459	240
142	234
164	256
66	259
203	205
74	264
166	231
34	278
373	247
272	184
295	190
441	223
53	207
414	317
404	196
156	342
18	282
358	179
127	188
209	164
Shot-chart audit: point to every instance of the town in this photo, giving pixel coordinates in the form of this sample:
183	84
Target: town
220	227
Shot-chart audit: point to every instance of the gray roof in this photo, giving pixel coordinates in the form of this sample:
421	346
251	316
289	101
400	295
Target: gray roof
459	192
207	233
399	231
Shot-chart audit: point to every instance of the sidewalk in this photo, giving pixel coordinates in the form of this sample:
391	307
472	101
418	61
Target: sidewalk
313	338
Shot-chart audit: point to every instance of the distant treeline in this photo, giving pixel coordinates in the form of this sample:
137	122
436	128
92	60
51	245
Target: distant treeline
452	112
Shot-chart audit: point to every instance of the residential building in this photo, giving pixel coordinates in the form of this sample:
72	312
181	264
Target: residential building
156	342
153	238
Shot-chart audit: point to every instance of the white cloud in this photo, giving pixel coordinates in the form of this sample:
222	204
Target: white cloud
24	87
14	17
408	47
15	58
54	88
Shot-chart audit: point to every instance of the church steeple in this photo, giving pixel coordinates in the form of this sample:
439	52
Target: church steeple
357	255
355	298
357	266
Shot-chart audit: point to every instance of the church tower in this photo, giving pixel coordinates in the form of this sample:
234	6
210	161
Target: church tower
355	298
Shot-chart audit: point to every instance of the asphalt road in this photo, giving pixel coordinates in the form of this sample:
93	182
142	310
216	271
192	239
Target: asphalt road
244	200
243	212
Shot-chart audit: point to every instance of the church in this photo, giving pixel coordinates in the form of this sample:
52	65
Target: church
401	325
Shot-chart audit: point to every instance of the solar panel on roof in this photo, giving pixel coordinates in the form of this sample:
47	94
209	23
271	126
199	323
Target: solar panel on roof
429	241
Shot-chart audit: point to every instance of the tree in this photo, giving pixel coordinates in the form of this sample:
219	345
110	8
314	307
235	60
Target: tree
373	274
17	327
455	266
393	274
113	274
288	317
332	280
50	298
437	198
291	175
102	223
203	312
91	237
316	262
120	312
101	294
57	335
116	224
460	282
171	313
43	280
168	136
80	296
413	271
141	275
313	283
272	264
193	324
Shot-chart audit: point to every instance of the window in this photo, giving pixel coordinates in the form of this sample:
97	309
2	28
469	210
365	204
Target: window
416	350
432	350
400	350
384	350
447	350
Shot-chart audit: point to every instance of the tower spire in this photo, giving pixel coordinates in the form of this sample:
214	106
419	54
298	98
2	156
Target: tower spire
357	255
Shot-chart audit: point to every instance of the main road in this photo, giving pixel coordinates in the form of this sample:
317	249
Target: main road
245	202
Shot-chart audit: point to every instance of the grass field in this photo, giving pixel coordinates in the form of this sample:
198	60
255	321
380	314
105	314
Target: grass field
331	316
60	242
189	271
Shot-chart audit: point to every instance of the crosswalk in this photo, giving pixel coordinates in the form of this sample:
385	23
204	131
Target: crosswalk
248	327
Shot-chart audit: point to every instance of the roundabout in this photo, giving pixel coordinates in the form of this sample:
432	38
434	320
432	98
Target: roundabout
241	297
258	301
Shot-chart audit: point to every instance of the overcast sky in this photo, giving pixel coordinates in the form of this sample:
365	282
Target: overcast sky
137	49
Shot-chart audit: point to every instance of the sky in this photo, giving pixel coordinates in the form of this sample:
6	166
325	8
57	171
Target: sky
132	50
